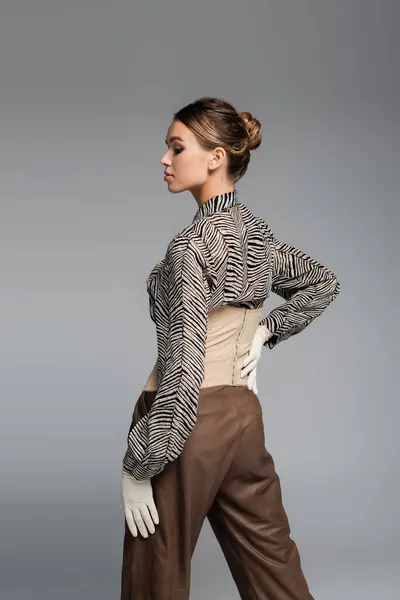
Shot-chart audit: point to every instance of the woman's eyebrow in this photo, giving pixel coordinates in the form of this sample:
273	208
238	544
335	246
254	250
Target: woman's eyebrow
174	137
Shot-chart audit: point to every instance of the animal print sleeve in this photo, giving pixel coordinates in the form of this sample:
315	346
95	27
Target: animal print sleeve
307	286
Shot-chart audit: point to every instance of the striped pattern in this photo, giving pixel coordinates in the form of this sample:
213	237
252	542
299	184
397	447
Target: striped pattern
227	255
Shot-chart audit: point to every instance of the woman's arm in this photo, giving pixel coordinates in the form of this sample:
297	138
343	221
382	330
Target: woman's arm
307	286
181	323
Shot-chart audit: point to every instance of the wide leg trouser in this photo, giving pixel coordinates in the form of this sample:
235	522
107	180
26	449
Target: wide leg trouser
226	474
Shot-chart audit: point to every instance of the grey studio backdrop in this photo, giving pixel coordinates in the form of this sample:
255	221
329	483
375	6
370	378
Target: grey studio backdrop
87	93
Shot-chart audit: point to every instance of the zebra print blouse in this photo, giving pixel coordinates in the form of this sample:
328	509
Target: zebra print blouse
227	255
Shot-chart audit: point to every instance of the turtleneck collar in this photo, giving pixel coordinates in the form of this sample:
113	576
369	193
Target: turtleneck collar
216	203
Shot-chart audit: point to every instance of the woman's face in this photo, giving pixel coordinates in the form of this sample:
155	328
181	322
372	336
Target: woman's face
185	159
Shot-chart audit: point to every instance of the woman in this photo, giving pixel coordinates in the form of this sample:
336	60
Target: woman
196	441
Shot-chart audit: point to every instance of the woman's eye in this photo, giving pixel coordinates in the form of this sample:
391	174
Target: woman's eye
178	150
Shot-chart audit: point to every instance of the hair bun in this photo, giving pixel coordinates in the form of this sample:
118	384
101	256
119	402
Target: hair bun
253	128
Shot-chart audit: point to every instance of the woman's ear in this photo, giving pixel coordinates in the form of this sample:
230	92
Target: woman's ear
218	157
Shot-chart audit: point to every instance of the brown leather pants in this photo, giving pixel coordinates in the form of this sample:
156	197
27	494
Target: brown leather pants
224	473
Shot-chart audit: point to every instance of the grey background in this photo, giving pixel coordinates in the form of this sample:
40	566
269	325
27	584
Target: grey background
88	90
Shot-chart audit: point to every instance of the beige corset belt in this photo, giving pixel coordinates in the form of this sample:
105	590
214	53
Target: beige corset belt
230	332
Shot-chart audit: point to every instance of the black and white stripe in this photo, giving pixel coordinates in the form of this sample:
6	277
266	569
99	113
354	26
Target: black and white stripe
227	255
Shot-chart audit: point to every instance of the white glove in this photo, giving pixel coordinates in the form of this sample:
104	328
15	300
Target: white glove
137	500
261	335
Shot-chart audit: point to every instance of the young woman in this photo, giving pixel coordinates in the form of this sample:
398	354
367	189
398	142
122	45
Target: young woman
196	441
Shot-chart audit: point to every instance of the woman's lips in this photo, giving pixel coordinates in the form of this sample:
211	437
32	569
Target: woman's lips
168	177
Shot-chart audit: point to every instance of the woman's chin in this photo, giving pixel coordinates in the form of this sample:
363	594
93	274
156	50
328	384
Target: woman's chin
173	187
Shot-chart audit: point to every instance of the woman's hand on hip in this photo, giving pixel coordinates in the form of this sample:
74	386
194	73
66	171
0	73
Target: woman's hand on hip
251	360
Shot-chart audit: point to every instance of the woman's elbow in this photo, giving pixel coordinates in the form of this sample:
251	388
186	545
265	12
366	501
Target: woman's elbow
333	286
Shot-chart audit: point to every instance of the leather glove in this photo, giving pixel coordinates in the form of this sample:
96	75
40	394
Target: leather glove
250	362
137	500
